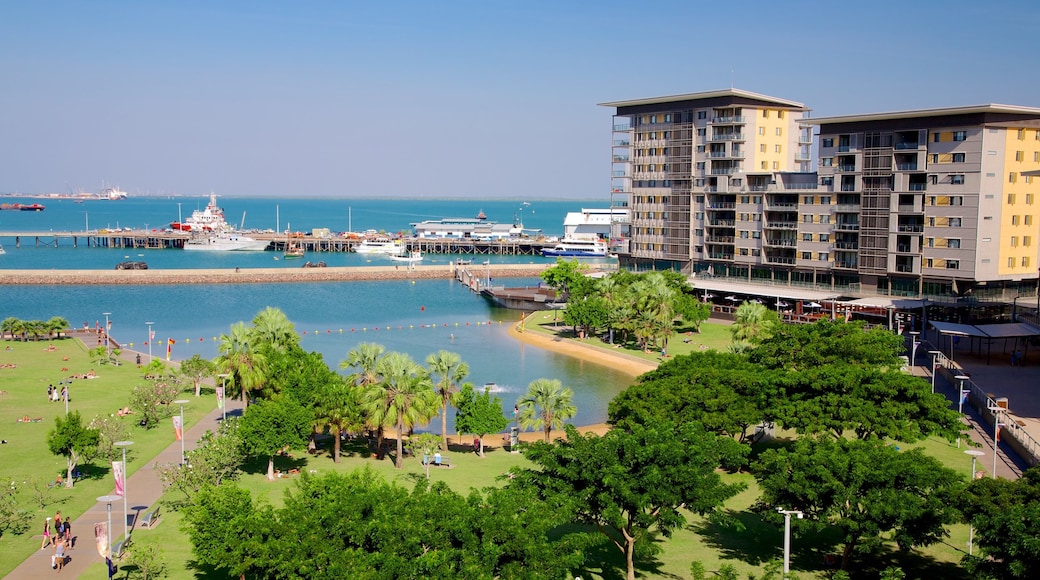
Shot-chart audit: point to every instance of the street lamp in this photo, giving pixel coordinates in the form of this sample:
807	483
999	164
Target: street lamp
149	341
975	454
914	343
182	402
108	499
106	333
223	394
787	537
961	395
126	489
996	410
935	365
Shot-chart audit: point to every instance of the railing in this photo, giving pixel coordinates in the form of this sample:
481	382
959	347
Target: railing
843	149
918	187
846	265
725	171
782	225
719	239
621	158
727	137
904	268
782	243
711	188
721	223
906	166
908	208
781	205
801	186
846	245
904	248
758	188
727	120
848	227
908	145
619	174
717	154
848	188
912	228
622	142
846	168
622	127
779	260
847	207
722	205
720	256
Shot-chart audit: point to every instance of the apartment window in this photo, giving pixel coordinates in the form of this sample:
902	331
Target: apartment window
700	166
699	215
1028	220
702	132
956	200
668	118
936	137
958	158
761	130
776	165
955	222
929	242
765	165
1014	241
743	251
953	264
1025	261
1015	220
699	199
779	114
756	252
960	135
765	113
702	114
779	131
1036	156
745	199
699	183
1012	177
931	222
1021	134
653	119
807	199
957	179
807	255
807	219
744	234
745	217
698	233
825	219
825	237
953	243
827	161
823	256
829	142
1020	155
756	235
700	149
762	148
935	157
1011	199
825	199
927	262
1027	241
777	149
1011	262
806	237
827	181
756	199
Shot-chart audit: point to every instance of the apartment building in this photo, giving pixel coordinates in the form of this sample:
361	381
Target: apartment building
937	201
678	163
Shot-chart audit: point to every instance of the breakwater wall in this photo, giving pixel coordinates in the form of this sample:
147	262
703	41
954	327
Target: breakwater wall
254	275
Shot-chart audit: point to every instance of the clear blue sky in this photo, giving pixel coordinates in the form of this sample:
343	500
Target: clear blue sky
476	98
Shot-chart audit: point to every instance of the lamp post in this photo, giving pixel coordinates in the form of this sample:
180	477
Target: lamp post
914	343
108	499
182	402
106	333
787	537
961	394
935	366
996	410
975	454
149	340
223	396
126	488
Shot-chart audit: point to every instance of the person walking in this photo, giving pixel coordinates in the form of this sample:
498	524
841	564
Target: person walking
46	533
58	559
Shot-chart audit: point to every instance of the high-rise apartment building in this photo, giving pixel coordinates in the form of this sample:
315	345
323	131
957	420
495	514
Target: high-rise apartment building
937	201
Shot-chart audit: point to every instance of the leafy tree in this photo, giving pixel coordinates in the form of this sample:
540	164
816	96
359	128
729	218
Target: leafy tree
804	346
448	370
547	406
1006	516
55	325
144	402
566	277
479	413
721	391
216	459
157	369
11	326
72	440
110	429
148	558
586	314
654	312
13	519
243	362
225	529
424	445
691	310
197	369
273	425
753	322
863	488
272	327
627	483
404	398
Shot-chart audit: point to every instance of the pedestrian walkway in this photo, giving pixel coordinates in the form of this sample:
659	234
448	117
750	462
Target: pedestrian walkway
143	491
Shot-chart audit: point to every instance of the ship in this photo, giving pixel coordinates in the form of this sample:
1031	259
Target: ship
578	247
210	219
224	242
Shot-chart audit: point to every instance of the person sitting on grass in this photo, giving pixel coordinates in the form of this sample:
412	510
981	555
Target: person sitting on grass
124	412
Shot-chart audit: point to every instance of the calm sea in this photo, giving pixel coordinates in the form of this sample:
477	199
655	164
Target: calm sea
418	318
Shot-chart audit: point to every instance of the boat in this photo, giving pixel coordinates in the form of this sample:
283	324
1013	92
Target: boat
22	206
112	194
380	246
224	242
2	251
481	215
210	219
293	248
411	257
578	247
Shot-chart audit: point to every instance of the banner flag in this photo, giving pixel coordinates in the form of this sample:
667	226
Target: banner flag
169	347
101	538
178	429
964	395
220	398
108	325
151	335
120	474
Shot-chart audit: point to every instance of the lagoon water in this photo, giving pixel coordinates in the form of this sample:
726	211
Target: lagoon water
418	318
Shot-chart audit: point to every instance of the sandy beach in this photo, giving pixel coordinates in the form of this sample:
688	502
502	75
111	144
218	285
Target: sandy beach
571	347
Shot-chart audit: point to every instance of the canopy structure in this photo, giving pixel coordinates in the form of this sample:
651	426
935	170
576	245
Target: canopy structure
984	333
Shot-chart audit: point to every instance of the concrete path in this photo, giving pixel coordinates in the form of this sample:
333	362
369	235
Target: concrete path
143	492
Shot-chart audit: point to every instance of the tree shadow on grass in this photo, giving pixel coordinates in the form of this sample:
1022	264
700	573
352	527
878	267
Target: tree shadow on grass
605	560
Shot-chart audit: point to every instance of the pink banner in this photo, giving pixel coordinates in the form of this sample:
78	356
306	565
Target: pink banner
220	397
101	538
178	428
120	473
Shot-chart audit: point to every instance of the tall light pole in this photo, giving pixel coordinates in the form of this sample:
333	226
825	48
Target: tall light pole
126	488
975	454
223	396
787	537
108	499
106	334
996	410
962	393
182	402
149	340
935	366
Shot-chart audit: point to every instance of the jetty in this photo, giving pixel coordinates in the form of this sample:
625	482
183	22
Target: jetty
276	242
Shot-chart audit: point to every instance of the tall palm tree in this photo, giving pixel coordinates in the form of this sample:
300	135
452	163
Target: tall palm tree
245	366
10	326
449	369
753	322
56	325
404	398
547	406
271	326
336	408
655	301
364	359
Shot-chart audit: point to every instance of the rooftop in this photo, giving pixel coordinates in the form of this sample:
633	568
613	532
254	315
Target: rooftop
940	112
709	95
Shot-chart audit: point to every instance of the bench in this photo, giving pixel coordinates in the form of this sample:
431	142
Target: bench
443	463
149	520
119	548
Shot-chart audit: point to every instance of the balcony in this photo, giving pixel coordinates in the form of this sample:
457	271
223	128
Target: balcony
719	239
725	171
727	120
711	188
722	205
720	256
782	243
912	228
802	157
848	188
622	142
909	208
902	248
780	205
776	225
848	227
846	245
917	187
779	260
843	149
621	159
906	166
758	188
846	168
717	154
619	174
721	223
727	137
907	268
847	207
846	264
908	145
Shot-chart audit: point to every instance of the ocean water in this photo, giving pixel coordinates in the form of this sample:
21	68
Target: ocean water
417	317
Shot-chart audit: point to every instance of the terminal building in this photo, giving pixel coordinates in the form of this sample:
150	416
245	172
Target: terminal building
935	202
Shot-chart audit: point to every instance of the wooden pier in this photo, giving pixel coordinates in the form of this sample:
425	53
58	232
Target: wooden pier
142	239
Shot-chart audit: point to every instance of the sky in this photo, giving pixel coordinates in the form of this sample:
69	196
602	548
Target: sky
447	99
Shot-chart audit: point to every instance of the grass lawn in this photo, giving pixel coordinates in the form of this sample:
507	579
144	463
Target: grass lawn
26	462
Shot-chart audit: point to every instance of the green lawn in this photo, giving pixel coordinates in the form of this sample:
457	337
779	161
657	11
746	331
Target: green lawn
25	460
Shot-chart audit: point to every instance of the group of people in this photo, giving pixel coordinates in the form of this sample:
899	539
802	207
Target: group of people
54	394
58	535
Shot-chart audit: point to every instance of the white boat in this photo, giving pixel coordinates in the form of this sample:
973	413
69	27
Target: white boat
112	194
578	247
2	251
380	246
210	219
411	258
293	247
224	242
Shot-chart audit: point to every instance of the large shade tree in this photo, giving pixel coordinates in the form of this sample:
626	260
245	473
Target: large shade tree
479	414
72	440
547	405
1006	517
274	425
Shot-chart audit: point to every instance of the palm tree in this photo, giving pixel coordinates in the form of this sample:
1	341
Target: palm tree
336	408
655	303
404	398
10	326
547	405
451	370
56	325
753	322
245	366
271	326
364	358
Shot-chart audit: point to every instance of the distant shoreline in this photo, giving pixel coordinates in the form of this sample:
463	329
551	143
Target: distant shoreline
253	275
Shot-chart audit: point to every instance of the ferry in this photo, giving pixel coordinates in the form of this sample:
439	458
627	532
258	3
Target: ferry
578	247
477	228
411	258
210	219
380	246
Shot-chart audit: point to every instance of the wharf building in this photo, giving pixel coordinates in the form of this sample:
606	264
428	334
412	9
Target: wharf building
935	202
